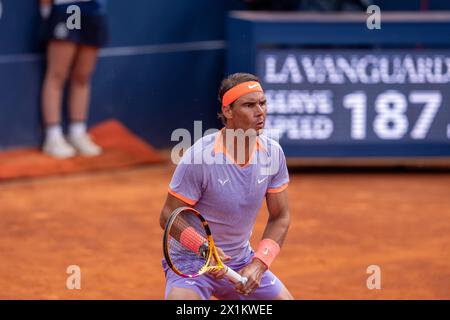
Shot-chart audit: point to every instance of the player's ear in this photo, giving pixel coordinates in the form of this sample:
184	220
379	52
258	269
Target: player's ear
227	112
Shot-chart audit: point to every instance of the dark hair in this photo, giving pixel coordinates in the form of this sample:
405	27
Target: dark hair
229	82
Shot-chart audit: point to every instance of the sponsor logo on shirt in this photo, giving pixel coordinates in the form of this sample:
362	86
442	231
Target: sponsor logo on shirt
222	182
261	180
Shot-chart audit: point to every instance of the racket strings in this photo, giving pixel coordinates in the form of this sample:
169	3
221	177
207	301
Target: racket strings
187	235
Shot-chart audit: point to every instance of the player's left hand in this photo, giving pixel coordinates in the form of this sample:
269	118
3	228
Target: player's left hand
254	272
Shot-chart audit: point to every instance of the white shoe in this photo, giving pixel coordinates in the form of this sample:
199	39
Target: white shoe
84	145
58	148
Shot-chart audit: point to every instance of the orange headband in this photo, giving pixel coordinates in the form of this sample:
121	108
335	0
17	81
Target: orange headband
238	91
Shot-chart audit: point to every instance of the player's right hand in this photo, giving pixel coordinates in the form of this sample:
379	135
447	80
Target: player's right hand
219	274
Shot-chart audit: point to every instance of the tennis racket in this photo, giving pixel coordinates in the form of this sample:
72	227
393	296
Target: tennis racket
189	246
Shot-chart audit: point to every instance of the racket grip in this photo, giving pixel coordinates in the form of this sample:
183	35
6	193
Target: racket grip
235	277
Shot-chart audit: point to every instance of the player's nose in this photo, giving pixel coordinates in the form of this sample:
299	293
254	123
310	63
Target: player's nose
260	109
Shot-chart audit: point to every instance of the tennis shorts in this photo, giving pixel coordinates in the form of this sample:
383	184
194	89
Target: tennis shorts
93	27
207	286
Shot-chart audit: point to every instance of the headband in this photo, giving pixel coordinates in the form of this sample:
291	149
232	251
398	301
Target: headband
238	91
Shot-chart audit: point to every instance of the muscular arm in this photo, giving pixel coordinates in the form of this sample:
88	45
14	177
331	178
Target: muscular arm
170	205
279	217
276	229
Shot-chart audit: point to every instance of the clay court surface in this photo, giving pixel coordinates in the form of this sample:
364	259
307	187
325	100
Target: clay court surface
107	224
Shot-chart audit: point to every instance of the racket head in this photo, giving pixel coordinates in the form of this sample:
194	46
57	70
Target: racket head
181	259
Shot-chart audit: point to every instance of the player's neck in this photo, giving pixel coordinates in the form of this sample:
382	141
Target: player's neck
238	144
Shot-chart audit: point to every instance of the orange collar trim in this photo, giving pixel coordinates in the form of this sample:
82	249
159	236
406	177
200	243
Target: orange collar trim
220	148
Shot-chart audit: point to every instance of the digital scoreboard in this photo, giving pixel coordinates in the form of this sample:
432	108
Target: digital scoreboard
358	103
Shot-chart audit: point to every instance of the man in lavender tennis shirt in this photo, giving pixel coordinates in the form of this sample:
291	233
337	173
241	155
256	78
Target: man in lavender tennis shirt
238	167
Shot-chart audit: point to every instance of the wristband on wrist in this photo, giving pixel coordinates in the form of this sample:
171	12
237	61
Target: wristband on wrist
267	251
193	241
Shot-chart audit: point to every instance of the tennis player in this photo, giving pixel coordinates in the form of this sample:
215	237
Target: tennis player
228	192
72	56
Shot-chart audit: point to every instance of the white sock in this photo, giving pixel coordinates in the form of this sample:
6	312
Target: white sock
54	131
77	129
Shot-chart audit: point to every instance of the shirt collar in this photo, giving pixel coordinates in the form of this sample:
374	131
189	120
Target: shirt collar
220	148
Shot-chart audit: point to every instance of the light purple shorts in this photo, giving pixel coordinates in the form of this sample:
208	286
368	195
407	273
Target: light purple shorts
206	286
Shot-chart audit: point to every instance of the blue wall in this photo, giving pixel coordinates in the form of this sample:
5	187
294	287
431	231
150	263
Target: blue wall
153	89
412	5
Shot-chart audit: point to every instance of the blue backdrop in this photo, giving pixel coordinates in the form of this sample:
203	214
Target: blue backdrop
159	72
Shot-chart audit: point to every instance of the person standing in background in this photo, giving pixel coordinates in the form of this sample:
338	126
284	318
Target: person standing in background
71	57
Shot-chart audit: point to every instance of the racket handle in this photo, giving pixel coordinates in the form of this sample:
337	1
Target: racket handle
234	276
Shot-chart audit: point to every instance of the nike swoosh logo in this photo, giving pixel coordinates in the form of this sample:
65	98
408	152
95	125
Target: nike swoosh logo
223	182
252	86
190	282
266	252
261	180
273	281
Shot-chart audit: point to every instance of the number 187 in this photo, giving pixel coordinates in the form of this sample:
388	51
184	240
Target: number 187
391	121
